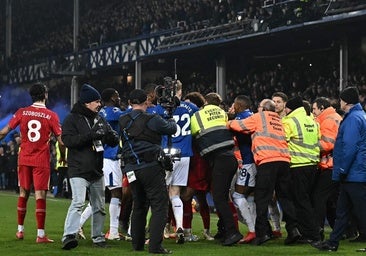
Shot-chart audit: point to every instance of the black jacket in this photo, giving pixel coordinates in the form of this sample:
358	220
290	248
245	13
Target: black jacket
82	158
141	147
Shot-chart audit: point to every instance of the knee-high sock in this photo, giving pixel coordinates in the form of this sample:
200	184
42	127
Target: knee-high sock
252	207
114	211
40	213
241	202
177	207
86	214
187	215
205	214
22	210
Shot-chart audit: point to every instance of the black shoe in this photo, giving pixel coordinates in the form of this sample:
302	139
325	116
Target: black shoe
102	244
325	246
260	240
180	236
305	240
219	235
161	250
233	239
292	237
359	239
70	242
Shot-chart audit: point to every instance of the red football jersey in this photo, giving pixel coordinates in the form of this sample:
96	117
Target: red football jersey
37	123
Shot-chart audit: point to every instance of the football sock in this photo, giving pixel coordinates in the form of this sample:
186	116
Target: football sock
86	214
22	210
177	207
40	213
187	215
114	211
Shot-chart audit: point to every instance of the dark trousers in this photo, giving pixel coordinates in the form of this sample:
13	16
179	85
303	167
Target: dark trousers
224	166
303	180
324	196
273	176
149	189
352	199
61	190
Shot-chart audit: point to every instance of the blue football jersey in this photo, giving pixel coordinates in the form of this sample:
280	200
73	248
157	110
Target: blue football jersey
244	140
111	114
182	139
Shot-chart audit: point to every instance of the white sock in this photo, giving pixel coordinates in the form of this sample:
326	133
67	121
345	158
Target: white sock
177	206
244	209
114	211
86	214
275	216
40	232
20	228
252	207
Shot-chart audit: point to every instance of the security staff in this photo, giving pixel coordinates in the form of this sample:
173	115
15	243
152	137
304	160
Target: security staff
349	169
325	191
215	143
141	139
272	158
302	135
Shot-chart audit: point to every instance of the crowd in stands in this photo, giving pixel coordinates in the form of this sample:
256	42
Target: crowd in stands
262	82
42	29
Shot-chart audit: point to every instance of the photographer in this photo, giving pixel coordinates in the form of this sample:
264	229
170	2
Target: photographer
141	138
84	133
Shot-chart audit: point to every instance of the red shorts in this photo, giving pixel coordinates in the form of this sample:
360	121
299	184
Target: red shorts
199	176
38	176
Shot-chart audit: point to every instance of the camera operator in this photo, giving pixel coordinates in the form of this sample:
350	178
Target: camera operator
84	132
141	140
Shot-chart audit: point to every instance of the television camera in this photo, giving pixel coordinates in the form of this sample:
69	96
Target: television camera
166	95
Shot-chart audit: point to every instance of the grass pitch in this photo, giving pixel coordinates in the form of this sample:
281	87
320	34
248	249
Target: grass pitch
56	212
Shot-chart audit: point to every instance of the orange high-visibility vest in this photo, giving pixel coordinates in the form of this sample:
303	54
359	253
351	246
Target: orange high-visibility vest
268	137
329	121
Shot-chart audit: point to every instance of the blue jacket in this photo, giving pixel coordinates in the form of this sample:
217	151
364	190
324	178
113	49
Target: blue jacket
349	154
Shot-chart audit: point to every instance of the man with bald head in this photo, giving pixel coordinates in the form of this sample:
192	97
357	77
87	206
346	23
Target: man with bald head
272	158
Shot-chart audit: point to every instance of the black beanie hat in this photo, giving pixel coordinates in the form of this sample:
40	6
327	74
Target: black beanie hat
350	95
88	94
294	103
137	96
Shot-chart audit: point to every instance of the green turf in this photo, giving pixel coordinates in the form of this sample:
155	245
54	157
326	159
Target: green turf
56	212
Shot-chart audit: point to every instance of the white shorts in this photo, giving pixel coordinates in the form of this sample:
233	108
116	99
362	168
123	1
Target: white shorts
245	176
112	173
179	175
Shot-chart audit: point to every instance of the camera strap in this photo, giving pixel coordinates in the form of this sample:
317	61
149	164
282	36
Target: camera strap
127	138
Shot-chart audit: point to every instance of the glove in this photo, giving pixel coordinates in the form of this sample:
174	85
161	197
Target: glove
111	138
97	132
